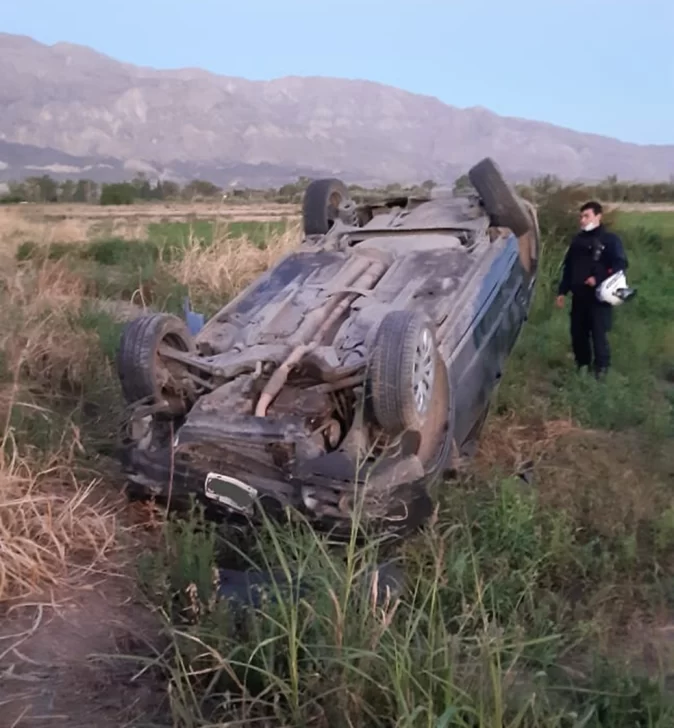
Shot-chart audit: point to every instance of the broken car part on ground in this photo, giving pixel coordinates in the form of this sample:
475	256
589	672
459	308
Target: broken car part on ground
353	372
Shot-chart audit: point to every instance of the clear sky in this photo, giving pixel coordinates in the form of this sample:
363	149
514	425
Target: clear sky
593	65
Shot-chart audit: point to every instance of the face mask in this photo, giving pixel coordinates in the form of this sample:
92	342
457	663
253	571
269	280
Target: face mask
590	226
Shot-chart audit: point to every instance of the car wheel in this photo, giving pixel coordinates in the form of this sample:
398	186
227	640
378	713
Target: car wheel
501	203
321	204
402	372
143	372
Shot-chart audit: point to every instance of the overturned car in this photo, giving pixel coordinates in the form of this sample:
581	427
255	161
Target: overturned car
350	375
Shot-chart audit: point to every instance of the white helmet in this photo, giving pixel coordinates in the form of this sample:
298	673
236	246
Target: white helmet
614	289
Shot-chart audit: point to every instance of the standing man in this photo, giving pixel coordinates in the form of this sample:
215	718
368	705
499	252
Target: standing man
593	255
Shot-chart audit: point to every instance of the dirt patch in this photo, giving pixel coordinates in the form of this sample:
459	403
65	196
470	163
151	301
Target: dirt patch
73	637
62	659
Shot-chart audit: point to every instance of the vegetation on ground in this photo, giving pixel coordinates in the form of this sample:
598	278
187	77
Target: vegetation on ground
544	601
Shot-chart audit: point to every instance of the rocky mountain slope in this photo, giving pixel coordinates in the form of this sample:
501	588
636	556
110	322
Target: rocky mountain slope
118	118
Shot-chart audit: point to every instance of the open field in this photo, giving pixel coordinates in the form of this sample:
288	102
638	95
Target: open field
77	222
549	603
644	207
42	224
226	210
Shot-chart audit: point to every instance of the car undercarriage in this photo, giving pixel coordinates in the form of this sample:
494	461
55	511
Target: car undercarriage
329	384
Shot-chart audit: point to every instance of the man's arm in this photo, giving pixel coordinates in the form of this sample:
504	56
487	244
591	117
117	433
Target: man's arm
613	259
617	257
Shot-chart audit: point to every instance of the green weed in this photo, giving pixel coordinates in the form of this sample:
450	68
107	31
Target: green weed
205	232
473	634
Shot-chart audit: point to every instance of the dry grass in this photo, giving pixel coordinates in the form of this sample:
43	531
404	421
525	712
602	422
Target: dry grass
44	224
49	521
163	211
229	265
39	227
510	442
642	206
597	477
40	336
16	227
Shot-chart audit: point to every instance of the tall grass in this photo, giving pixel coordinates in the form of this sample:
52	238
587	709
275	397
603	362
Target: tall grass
54	526
474	635
210	263
53	518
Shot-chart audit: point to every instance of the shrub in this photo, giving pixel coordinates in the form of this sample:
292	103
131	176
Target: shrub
122	193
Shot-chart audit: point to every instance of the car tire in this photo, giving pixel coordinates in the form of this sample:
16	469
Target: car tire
142	372
499	200
320	205
402	371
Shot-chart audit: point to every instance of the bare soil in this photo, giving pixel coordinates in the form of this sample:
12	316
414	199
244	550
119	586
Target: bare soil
61	661
77	656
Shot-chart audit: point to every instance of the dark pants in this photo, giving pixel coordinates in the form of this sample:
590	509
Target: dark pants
590	323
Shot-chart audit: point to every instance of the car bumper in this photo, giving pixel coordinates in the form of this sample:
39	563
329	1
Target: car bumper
324	491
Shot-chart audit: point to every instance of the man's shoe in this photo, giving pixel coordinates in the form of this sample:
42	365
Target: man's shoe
600	374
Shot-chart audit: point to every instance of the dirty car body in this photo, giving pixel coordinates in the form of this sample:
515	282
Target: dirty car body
350	375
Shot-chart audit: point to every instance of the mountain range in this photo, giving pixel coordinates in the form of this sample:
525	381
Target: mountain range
69	111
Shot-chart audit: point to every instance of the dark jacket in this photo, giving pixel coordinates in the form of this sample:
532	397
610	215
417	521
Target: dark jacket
597	253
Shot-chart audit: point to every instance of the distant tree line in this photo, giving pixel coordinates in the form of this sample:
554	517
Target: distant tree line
44	189
610	190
